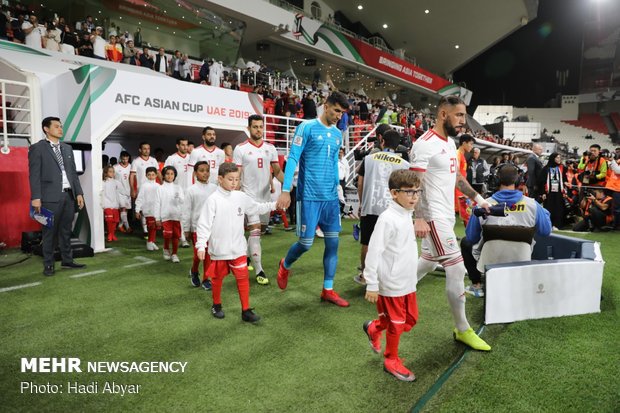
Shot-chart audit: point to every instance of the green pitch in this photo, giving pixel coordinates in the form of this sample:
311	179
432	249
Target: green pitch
304	355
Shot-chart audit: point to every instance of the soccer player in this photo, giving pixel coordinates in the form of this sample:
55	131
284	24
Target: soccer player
169	211
315	149
221	224
209	153
466	145
390	272
372	188
137	175
180	162
195	199
146	205
255	158
121	174
434	159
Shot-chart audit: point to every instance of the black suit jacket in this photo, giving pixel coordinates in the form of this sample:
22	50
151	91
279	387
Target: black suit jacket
46	175
534	169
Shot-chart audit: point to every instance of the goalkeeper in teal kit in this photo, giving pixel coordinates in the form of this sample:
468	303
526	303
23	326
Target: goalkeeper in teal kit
315	149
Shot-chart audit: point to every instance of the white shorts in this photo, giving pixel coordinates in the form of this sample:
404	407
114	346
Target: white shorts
124	201
441	242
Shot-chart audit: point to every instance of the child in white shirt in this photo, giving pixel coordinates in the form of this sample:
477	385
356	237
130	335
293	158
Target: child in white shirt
221	224
390	272
168	213
146	204
110	202
195	199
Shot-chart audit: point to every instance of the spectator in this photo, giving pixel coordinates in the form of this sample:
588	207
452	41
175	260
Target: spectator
309	106
129	53
175	62
99	45
478	168
53	37
596	211
68	40
552	189
137	37
18	33
146	60
33	32
161	62
184	69
85	46
113	50
204	72
5	17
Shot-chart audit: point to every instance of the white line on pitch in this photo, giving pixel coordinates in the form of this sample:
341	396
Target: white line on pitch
86	274
17	287
144	261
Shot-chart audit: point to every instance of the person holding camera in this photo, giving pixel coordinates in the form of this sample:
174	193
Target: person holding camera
613	184
596	211
593	167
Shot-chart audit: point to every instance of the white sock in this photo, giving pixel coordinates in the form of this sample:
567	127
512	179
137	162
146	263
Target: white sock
124	219
143	221
455	291
255	250
424	267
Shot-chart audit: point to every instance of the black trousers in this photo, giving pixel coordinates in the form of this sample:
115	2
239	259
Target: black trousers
469	261
292	209
60	234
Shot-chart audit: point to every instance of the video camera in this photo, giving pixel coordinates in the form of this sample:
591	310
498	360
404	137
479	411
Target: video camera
499	210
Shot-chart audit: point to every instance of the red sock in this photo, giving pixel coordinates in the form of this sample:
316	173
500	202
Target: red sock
196	261
284	220
175	245
216	290
205	266
391	343
111	229
166	243
243	286
152	234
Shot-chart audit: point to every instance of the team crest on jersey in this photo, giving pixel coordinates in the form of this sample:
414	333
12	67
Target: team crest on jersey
443	151
320	138
451	242
298	140
239	212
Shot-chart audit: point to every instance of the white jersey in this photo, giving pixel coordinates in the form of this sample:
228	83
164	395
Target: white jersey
195	198
139	166
214	157
256	163
170	200
436	157
110	194
121	174
184	171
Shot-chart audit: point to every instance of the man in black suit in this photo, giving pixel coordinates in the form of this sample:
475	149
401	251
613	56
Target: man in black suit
534	170
54	185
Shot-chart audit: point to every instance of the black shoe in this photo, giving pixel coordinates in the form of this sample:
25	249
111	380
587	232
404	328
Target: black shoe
195	280
216	310
72	264
249	316
49	270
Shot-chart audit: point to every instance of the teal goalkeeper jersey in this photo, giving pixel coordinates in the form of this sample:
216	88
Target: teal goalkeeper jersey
315	149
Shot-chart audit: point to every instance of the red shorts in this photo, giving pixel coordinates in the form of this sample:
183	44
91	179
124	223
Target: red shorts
111	215
401	311
221	268
171	229
151	224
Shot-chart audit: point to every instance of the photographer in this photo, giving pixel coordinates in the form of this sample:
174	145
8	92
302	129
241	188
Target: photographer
592	167
596	211
613	184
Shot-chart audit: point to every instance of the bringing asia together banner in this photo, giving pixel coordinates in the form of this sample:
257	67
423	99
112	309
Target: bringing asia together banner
332	41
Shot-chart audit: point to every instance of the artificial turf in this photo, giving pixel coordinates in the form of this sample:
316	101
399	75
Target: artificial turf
304	355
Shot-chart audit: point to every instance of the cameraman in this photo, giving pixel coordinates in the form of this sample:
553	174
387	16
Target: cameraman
524	215
613	184
593	167
596	211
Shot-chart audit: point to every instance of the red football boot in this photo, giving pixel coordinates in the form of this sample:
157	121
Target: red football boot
396	368
332	297
283	274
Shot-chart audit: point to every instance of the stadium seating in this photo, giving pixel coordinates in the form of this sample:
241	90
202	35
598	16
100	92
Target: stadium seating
591	121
